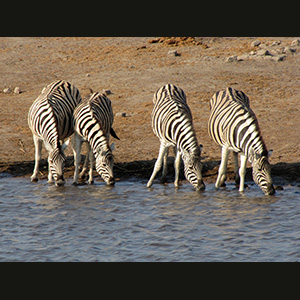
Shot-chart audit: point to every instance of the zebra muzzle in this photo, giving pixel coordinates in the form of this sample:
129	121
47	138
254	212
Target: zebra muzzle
60	181
270	189
111	181
200	185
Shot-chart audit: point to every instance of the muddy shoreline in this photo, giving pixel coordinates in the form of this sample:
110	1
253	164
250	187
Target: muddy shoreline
282	173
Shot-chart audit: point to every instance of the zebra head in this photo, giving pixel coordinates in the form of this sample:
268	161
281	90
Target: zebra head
56	162
261	173
104	165
193	168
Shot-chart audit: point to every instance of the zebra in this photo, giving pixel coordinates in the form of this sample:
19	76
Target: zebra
233	125
93	119
172	123
50	120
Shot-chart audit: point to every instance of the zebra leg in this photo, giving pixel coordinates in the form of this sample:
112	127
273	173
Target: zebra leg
86	162
242	171
236	168
162	150
38	154
222	169
50	177
165	167
91	158
76	145
177	167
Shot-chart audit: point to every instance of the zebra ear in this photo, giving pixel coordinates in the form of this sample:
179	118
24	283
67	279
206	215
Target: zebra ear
201	148
65	145
257	156
270	152
185	154
112	147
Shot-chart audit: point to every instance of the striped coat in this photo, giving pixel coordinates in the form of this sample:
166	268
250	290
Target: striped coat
93	120
172	123
50	120
233	125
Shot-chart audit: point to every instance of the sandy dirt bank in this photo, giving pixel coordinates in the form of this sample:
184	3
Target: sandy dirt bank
133	68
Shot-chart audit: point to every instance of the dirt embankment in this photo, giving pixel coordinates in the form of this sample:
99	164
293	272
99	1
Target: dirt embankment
133	69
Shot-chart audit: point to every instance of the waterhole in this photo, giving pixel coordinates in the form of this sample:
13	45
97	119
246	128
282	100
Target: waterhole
129	222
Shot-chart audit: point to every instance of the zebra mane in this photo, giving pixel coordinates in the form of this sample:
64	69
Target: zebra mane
97	100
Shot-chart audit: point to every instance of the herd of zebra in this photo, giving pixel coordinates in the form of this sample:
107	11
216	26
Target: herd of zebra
59	113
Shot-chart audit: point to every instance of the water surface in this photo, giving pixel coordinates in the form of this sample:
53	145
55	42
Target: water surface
128	222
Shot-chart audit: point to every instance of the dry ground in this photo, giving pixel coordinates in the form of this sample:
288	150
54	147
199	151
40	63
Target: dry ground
133	69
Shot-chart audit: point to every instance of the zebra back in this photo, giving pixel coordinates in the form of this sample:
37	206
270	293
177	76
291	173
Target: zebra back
232	122
53	110
94	118
172	118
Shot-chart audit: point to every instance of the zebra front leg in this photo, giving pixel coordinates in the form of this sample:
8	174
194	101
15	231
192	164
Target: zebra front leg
38	154
236	168
177	167
165	167
76	146
91	158
242	171
222	169
50	176
86	163
157	166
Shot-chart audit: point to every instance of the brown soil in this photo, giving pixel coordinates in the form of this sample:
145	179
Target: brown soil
133	68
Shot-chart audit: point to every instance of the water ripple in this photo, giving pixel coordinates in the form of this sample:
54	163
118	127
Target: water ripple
41	222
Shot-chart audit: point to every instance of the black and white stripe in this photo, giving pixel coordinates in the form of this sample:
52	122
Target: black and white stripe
233	125
93	120
172	123
50	120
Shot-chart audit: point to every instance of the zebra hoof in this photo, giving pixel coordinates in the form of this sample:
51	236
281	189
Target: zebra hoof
34	179
163	180
149	184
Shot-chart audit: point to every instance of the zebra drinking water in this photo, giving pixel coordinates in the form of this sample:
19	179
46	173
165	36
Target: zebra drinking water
233	125
93	119
172	123
50	120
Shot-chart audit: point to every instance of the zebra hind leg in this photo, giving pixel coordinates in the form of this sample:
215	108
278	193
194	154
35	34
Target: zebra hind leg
238	173
165	167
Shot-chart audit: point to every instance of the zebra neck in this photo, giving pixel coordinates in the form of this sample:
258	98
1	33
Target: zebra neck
52	144
98	140
100	149
188	142
257	149
51	138
191	148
